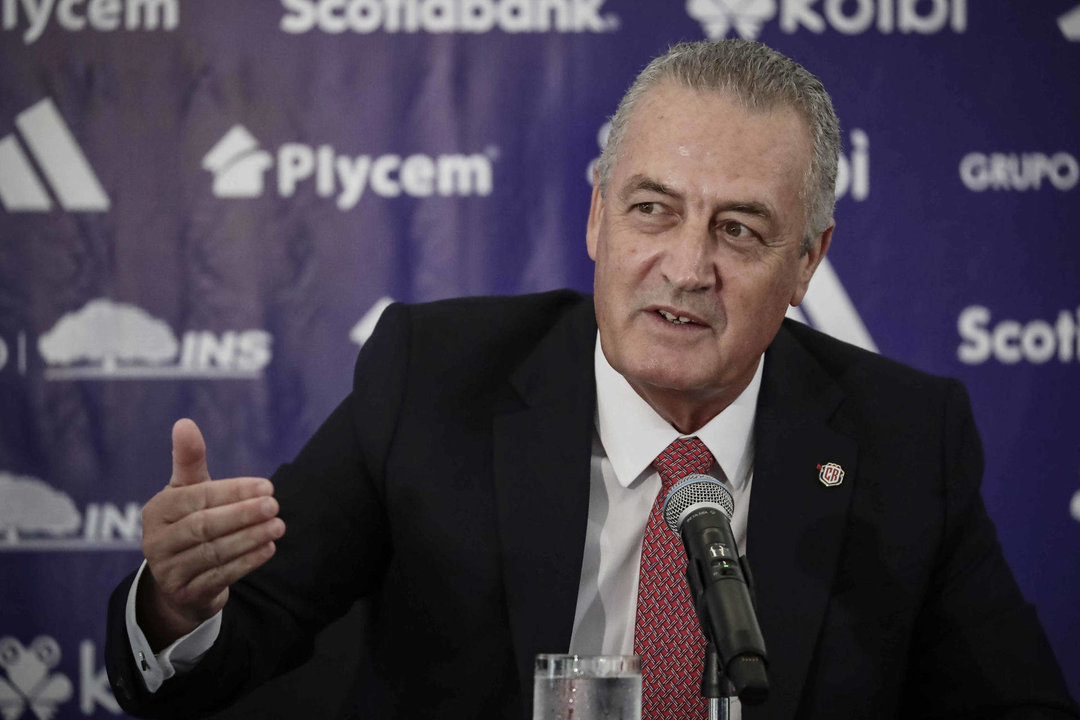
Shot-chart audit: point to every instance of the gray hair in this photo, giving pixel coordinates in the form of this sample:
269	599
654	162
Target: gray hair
761	79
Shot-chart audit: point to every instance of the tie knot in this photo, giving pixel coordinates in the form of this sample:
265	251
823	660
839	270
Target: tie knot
683	457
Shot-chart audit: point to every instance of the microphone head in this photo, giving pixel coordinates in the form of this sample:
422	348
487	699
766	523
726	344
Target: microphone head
694	492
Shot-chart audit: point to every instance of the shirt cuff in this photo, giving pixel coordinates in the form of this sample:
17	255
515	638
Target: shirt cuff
177	658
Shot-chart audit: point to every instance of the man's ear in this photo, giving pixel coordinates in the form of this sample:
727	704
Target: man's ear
596	212
810	261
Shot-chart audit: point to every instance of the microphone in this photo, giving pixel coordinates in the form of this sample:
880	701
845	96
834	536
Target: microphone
699	510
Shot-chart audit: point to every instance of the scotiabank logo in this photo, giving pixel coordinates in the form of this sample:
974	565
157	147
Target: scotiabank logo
78	15
1019	171
239	166
107	340
446	16
1011	341
849	17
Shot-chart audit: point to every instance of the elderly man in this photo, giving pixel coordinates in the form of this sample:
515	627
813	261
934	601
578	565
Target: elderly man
493	480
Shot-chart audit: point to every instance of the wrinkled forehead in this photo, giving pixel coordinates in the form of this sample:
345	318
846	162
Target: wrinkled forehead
715	124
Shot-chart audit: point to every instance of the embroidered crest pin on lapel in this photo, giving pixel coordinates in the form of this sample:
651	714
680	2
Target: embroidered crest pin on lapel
830	474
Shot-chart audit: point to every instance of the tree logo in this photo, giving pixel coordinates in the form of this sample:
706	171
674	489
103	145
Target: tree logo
107	340
28	506
37	517
29	683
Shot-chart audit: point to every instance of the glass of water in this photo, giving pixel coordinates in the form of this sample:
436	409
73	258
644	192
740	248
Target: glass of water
587	687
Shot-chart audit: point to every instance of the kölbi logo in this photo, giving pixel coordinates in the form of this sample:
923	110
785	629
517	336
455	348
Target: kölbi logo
35	517
106	340
32	685
746	17
239	165
60	158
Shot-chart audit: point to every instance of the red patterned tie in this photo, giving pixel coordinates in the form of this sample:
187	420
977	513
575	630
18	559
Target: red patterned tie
666	632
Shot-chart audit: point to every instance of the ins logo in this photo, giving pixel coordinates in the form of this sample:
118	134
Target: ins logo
239	164
36	517
849	17
106	340
32	685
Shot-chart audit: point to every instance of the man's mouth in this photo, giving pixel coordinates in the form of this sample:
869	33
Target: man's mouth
673	318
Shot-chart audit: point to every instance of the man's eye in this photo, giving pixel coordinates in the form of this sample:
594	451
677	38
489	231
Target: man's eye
734	229
647	208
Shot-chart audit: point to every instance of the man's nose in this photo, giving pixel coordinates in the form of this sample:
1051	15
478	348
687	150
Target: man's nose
688	262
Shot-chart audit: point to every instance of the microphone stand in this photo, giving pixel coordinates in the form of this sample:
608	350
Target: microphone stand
715	686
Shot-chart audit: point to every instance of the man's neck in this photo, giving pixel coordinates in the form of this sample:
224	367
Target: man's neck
689	411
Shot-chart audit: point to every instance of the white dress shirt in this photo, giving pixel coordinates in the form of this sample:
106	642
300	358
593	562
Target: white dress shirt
623	486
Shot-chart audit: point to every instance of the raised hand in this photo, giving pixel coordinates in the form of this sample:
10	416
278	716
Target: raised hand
199	537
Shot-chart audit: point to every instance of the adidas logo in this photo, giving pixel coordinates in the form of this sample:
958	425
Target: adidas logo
60	159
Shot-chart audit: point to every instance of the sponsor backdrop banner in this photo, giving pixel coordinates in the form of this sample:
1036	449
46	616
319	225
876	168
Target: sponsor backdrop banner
204	207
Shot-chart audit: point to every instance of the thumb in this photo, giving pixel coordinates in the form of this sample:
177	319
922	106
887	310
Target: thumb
188	454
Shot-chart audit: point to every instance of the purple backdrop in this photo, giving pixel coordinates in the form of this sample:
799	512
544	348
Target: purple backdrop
204	206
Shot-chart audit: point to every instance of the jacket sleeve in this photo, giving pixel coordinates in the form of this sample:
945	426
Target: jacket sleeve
334	551
979	650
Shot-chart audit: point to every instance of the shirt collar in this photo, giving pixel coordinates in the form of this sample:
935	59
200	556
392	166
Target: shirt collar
633	434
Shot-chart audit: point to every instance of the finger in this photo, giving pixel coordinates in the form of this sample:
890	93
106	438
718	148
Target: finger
208	526
201	558
208	585
179	502
188	454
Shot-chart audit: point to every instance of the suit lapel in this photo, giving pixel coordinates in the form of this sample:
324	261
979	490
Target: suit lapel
542	440
796	522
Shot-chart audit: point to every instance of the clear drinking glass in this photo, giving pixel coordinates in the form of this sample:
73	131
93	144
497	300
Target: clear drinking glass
587	687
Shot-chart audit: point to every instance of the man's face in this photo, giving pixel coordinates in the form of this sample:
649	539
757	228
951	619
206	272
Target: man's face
702	220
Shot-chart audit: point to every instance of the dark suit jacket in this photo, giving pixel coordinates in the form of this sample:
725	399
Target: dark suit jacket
452	487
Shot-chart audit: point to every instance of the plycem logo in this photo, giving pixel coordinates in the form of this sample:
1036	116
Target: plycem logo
32	685
100	15
1011	341
61	160
1069	24
446	16
1019	171
239	165
35	517
747	17
106	340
